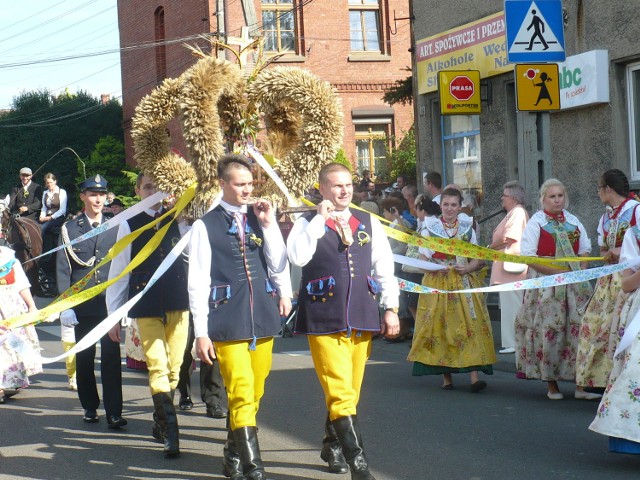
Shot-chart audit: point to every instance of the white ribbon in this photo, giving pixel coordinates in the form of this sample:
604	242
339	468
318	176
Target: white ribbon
416	262
103	327
257	156
111	223
547	281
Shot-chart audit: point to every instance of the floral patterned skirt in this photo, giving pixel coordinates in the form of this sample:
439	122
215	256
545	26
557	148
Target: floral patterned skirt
19	357
452	331
547	328
600	332
619	411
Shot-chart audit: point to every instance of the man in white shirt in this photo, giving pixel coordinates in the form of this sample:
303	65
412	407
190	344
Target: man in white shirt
162	313
338	250
433	185
239	287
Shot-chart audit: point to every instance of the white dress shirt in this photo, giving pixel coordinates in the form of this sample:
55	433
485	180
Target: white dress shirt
62	195
275	254
303	241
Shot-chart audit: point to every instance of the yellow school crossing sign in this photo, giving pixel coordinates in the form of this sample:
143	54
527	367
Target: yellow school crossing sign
537	87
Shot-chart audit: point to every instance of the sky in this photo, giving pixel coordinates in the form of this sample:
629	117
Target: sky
36	34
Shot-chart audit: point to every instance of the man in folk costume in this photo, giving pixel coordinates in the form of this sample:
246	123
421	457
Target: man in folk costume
338	250
162	313
72	264
237	270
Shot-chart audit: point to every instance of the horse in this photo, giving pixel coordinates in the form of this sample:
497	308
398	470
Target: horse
23	235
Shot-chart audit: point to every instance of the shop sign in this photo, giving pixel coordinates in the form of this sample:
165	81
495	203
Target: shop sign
459	92
479	45
584	79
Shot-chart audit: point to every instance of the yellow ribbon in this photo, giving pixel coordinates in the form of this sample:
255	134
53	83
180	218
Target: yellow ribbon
460	248
76	294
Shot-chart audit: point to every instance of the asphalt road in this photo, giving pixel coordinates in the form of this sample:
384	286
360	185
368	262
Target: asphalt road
412	429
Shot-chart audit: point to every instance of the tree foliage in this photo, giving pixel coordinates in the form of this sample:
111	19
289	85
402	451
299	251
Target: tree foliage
402	159
40	125
401	92
107	160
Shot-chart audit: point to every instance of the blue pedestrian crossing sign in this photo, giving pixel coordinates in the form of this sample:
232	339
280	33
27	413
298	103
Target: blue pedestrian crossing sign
535	31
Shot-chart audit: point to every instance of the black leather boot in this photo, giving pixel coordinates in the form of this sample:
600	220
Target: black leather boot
246	439
157	430
230	457
167	420
348	432
332	451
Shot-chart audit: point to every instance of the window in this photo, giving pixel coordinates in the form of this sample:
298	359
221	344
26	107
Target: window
364	21
371	148
461	155
278	25
633	95
161	53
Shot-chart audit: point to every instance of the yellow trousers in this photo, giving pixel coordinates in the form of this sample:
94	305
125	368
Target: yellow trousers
164	345
70	361
244	373
339	361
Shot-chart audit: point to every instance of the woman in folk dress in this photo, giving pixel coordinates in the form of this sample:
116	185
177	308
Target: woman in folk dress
19	347
548	322
599	335
453	331
619	411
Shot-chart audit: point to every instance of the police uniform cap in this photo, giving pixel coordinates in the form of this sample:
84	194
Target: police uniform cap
96	183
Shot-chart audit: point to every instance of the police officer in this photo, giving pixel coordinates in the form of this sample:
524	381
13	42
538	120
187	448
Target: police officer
73	263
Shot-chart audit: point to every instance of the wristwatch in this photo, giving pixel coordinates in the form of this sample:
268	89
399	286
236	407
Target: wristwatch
392	309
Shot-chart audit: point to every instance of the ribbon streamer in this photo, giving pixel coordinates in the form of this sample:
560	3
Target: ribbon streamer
257	156
460	248
103	327
111	223
416	262
531	283
77	294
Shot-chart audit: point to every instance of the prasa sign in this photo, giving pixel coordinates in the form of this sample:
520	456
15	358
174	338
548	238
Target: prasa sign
459	92
461	88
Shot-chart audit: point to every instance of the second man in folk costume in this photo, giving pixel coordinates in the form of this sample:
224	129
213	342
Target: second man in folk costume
162	313
338	250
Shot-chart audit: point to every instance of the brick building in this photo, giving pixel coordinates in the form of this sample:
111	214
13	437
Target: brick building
360	46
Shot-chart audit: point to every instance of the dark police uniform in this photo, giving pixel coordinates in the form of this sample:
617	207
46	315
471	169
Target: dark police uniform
91	312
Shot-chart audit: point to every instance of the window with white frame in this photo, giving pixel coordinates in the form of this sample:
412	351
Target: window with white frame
633	96
462	163
279	25
364	21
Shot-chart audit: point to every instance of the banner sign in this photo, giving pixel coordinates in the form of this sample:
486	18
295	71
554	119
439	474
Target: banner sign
479	45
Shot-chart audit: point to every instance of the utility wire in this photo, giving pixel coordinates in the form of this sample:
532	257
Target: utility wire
73	25
46	22
32	15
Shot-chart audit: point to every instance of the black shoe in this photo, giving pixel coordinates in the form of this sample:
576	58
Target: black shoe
185	403
90	416
216	411
116	421
477	386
